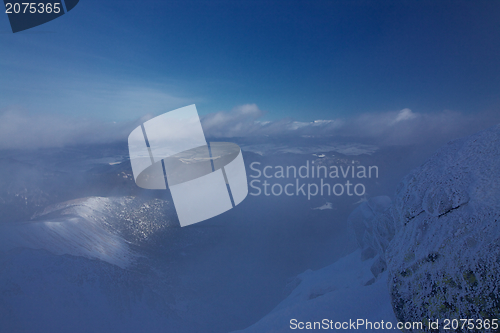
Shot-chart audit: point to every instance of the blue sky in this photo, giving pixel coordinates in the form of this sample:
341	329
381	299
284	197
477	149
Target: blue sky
307	60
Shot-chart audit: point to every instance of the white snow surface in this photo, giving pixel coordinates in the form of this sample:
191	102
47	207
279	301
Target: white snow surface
327	205
337	292
83	233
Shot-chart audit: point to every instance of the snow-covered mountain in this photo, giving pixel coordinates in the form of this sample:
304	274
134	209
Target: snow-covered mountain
99	254
444	258
95	227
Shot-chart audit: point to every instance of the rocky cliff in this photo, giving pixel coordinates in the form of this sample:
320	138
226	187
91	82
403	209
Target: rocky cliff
444	260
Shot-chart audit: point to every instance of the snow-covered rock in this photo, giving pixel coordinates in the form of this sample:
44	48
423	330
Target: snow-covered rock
444	261
373	226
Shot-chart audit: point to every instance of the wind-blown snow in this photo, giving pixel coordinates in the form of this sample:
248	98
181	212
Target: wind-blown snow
74	235
95	227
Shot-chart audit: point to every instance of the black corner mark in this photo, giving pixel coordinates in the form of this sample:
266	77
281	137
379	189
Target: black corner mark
25	15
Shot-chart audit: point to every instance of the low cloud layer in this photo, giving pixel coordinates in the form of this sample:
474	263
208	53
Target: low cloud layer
19	130
403	127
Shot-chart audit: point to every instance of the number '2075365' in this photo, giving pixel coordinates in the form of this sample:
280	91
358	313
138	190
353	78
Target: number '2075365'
32	7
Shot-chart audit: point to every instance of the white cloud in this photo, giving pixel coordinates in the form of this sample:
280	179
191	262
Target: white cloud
403	115
241	121
21	130
404	127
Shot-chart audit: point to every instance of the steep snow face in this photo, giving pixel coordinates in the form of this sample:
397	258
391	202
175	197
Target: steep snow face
75	236
342	291
98	228
444	259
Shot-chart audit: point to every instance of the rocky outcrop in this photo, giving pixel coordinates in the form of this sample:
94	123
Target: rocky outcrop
373	226
444	260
